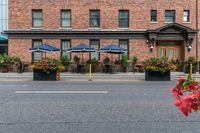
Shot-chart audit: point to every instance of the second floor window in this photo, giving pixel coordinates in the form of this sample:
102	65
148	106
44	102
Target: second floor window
186	16
123	19
153	15
169	16
94	18
66	18
37	18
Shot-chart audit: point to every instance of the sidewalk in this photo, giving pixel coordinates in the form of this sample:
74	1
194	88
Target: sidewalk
107	77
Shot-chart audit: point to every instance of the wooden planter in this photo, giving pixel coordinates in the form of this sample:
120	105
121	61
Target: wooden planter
39	75
157	76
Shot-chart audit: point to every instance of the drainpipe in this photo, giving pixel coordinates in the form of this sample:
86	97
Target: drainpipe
197	28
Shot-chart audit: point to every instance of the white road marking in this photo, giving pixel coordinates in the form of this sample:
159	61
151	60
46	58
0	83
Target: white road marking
61	92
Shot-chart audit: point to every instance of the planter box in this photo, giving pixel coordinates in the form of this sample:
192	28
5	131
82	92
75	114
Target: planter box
157	76
42	76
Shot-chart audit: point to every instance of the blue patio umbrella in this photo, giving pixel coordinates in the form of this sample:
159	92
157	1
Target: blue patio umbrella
113	49
82	48
44	48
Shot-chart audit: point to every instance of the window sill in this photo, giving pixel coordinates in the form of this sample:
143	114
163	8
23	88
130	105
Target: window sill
186	22
124	29
153	22
168	22
94	28
37	28
63	28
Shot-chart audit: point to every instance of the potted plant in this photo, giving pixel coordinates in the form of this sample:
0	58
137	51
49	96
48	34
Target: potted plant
47	69
135	59
124	62
5	63
191	60
158	69
107	64
17	64
94	63
65	62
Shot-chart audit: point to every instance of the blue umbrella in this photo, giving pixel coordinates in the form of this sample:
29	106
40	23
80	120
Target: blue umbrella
81	48
113	49
44	48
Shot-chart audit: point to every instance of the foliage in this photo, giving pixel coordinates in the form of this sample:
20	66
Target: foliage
8	62
106	60
92	61
17	63
76	59
135	59
124	62
65	60
161	65
187	95
191	60
47	65
4	59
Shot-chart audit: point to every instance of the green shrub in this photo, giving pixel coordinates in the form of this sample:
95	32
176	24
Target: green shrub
106	61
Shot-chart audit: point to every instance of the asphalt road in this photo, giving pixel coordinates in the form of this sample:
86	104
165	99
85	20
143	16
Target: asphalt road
91	107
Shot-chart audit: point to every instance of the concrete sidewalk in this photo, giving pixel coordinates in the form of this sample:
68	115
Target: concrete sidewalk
77	77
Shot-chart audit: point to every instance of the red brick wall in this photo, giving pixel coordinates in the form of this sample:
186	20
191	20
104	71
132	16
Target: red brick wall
20	17
20	12
19	47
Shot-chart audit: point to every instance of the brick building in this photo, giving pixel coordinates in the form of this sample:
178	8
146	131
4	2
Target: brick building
147	28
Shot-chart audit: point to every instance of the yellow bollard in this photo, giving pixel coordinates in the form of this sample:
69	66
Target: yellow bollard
191	69
90	72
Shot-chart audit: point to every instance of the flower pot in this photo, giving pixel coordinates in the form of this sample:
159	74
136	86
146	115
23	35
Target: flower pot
157	76
39	75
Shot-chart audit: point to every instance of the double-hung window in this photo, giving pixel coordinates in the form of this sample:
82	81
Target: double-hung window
66	18
123	19
36	56
169	15
65	44
95	44
186	16
37	18
153	15
124	43
94	18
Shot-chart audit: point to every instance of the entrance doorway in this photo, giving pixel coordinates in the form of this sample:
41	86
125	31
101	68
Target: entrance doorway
172	50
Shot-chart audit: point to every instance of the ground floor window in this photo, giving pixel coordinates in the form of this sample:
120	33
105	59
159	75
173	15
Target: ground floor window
65	44
3	49
124	43
36	56
95	44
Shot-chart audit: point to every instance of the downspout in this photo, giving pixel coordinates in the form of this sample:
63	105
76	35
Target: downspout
197	29
197	36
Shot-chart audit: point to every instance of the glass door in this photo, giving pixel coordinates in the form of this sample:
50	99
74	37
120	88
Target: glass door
168	52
